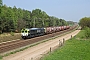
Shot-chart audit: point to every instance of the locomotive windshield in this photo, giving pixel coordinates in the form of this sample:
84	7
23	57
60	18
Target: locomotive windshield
24	31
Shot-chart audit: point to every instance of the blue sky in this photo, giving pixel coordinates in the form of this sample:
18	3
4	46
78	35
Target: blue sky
72	10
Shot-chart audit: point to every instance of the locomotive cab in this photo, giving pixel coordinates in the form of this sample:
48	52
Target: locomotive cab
25	33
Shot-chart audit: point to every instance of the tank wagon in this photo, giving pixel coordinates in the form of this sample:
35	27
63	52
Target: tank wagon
33	32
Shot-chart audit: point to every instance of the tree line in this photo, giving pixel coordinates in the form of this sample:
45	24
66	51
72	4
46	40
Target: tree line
14	19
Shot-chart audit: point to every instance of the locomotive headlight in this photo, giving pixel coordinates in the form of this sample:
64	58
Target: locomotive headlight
26	33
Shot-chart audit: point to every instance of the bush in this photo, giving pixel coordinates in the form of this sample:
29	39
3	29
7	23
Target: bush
87	32
12	33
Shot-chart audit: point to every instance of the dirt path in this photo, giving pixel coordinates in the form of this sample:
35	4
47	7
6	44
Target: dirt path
34	53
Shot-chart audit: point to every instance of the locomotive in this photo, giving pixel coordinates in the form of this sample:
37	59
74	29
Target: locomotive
33	32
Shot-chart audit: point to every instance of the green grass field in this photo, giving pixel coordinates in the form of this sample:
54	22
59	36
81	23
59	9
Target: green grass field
73	49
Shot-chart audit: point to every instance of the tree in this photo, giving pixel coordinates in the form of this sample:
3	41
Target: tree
7	18
0	6
27	18
85	22
64	22
1	3
38	16
15	14
20	24
0	15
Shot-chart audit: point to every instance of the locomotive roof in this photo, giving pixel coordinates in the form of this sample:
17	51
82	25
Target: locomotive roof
34	28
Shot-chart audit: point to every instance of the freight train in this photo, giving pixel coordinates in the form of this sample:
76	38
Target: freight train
33	32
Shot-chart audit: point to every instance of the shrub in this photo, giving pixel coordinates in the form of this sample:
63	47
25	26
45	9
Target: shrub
87	32
12	33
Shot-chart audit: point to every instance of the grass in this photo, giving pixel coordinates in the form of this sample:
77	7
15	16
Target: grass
73	49
81	35
1	57
9	37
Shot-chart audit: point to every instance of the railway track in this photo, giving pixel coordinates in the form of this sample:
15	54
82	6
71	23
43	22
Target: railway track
4	47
